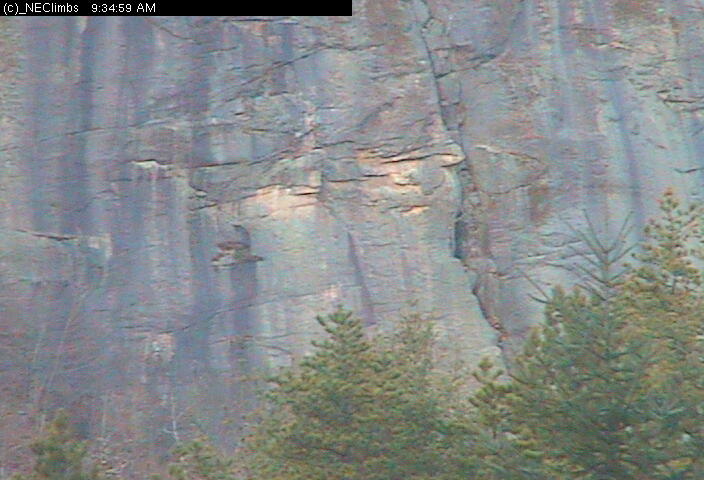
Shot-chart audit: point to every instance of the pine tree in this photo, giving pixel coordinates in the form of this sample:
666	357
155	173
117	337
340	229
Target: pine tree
611	386
579	396
663	299
354	410
494	451
199	460
60	455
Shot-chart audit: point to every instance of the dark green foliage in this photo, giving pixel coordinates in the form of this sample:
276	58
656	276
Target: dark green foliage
610	387
498	452
355	410
663	300
579	392
60	455
199	460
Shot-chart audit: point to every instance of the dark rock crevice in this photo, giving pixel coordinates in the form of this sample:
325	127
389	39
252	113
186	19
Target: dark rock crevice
469	212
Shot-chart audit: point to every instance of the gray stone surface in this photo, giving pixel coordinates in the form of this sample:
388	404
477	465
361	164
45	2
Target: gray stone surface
179	197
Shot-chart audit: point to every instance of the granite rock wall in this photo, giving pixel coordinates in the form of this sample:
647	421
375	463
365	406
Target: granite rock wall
179	197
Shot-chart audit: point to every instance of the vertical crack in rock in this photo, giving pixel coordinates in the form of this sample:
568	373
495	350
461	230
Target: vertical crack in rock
458	247
367	306
459	238
422	25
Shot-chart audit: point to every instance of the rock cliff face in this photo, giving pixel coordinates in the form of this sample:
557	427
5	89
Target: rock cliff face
179	197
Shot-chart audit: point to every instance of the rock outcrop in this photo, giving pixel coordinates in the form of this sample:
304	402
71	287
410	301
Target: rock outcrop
181	196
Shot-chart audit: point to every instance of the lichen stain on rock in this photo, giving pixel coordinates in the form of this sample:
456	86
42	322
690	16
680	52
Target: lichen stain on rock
636	10
390	23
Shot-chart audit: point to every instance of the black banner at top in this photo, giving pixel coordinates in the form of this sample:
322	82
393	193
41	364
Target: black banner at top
170	7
